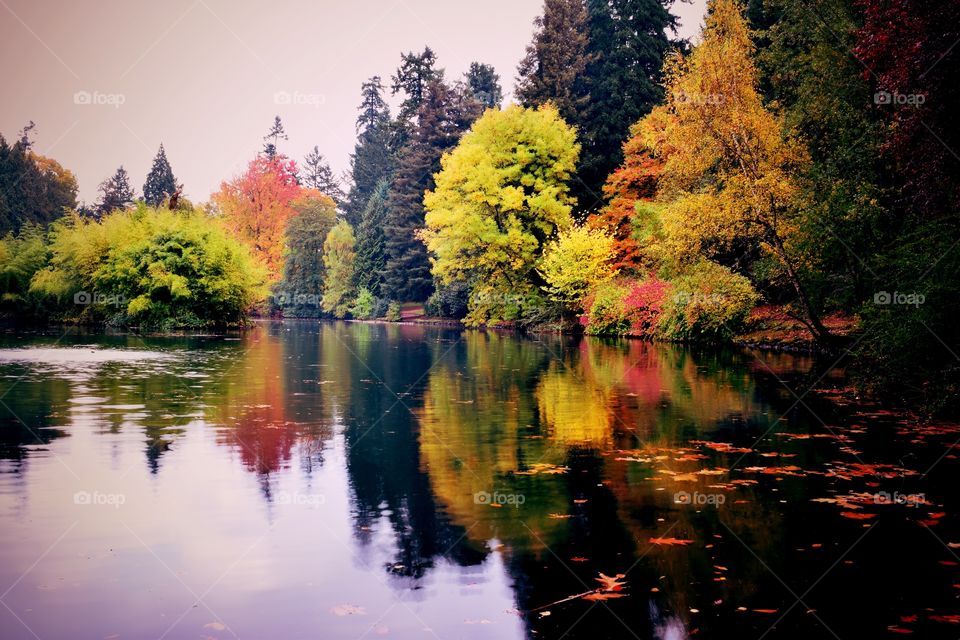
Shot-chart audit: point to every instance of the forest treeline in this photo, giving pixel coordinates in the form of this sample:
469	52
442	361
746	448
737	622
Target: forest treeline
796	157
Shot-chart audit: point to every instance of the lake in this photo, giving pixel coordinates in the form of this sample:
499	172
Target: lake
353	480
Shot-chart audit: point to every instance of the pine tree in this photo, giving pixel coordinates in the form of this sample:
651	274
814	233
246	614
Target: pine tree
160	183
413	77
484	84
556	61
273	136
317	174
372	160
115	192
300	291
33	188
371	259
627	45
441	120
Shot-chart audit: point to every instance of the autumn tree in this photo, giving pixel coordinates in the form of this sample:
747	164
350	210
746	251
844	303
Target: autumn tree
555	64
730	175
372	160
574	263
501	195
256	207
338	259
160	183
315	173
115	192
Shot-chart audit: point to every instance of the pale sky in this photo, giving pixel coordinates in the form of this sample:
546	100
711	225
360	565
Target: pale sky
107	80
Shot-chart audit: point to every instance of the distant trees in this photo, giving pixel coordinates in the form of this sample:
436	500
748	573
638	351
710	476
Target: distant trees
413	77
301	290
315	173
33	188
274	135
115	192
484	84
371	260
160	183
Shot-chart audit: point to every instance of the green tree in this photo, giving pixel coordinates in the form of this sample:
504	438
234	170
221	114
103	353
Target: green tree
160	183
315	173
439	125
33	188
501	195
371	260
413	78
372	160
628	42
484	84
577	261
274	135
555	64
115	192
338	259
300	291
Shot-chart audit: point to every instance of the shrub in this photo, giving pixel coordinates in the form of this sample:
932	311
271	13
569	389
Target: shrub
151	267
606	310
573	264
365	305
709	302
393	311
449	301
21	256
626	307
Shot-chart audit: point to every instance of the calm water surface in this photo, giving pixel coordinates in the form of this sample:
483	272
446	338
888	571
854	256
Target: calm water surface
322	480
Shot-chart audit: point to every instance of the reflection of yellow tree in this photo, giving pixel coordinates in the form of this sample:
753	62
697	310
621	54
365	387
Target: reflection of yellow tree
478	435
574	411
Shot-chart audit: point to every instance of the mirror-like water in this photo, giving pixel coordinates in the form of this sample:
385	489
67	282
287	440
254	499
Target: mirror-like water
306	480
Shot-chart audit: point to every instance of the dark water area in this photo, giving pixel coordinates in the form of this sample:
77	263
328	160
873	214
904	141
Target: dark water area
348	480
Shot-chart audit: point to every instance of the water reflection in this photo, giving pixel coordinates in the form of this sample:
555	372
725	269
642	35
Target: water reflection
382	479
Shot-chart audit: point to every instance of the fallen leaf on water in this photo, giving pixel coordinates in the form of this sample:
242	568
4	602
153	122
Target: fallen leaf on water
670	541
348	610
559	516
952	619
857	516
608	583
602	595
216	626
896	629
765	610
579	559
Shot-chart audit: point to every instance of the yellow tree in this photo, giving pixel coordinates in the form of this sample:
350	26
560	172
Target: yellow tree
501	195
730	171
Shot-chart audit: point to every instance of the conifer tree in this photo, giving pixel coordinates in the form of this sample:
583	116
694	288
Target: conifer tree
115	192
160	183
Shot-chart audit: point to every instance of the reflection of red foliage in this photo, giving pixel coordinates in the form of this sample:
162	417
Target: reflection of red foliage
264	439
635	180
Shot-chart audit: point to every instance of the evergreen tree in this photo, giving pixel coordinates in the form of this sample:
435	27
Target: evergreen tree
413	77
371	257
441	120
273	136
484	84
627	45
372	160
300	291
160	183
115	192
317	174
556	61
33	188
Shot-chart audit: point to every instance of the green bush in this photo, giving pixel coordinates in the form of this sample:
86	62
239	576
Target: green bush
21	257
149	267
364	305
393	312
607	310
708	302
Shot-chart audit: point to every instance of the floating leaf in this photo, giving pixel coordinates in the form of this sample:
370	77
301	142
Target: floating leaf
670	541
